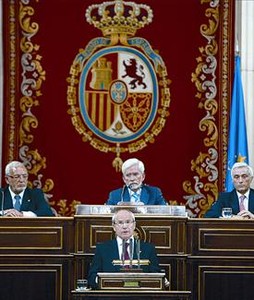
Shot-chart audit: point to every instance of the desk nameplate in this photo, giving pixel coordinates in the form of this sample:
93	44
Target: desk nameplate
168	210
131	280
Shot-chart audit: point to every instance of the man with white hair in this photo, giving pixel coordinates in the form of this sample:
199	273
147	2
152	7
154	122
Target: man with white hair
124	224
17	199
134	190
240	199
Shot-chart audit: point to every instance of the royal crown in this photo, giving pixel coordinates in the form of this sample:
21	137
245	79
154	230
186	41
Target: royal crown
119	17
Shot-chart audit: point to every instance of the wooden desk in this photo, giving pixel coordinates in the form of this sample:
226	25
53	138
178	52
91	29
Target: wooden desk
167	233
35	258
221	259
137	295
43	257
213	258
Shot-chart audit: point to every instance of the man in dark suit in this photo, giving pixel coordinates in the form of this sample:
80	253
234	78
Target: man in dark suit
240	199
17	200
134	191
123	222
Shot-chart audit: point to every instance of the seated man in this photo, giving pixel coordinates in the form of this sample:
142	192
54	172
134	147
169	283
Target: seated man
134	191
17	200
123	222
240	199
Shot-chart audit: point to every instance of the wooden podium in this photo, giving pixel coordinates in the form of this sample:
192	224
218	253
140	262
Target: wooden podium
130	295
131	280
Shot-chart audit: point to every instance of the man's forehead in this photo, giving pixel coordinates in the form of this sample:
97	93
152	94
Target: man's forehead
19	169
241	170
123	215
132	168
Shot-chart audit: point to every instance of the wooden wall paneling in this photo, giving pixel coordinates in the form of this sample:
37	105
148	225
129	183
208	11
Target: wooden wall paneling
168	234
36	258
220	261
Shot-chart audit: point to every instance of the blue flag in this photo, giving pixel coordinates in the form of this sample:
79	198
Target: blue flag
237	144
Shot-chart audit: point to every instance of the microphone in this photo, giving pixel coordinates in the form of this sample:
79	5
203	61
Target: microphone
130	186
131	252
2	204
138	186
123	249
138	250
123	189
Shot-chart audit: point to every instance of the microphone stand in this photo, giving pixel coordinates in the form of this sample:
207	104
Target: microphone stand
131	253
136	269
123	248
138	251
121	197
127	267
2	206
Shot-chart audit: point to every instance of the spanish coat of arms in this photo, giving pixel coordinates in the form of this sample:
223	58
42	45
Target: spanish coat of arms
118	90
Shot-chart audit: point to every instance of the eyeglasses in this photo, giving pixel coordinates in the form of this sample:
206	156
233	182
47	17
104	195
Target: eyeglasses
18	176
122	223
243	176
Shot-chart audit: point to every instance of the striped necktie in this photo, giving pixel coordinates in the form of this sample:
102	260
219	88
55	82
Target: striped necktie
17	203
241	205
135	197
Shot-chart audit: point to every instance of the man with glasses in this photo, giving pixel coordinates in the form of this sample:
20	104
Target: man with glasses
134	190
123	223
240	199
17	200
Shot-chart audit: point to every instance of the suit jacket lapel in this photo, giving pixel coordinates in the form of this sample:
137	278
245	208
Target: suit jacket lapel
144	195
235	202
8	200
26	199
251	201
126	195
115	253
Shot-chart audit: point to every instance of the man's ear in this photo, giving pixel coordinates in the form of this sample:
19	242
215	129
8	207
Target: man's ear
7	179
144	176
124	179
134	225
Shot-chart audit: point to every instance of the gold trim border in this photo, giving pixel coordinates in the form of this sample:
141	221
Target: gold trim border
202	190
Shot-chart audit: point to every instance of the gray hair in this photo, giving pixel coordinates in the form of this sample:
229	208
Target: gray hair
116	213
241	165
131	162
13	165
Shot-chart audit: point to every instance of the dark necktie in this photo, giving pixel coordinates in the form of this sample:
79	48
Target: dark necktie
126	253
17	203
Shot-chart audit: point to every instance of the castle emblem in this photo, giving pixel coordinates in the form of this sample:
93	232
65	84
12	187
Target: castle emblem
118	90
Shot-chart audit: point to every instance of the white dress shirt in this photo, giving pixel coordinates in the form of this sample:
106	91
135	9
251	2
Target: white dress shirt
246	199
28	214
120	245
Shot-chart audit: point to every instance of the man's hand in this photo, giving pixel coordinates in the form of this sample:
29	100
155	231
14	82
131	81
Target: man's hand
13	213
245	214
